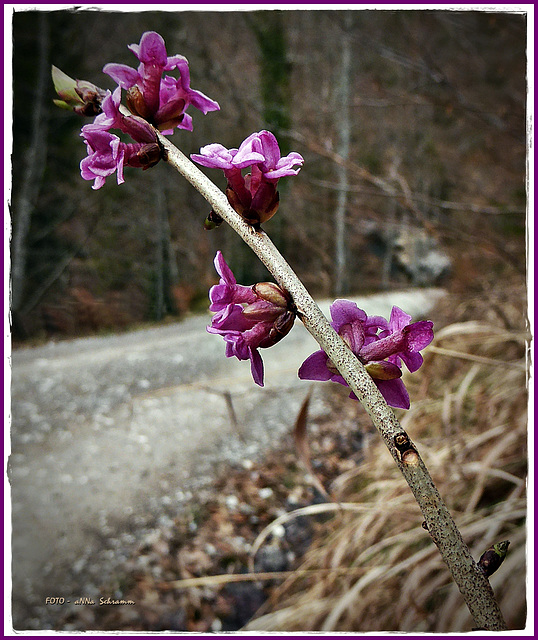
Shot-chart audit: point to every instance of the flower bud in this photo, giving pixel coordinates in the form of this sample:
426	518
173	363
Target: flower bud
149	155
264	204
279	330
272	293
136	103
493	557
383	370
80	96
171	124
410	458
255	209
88	92
262	311
173	111
138	129
270	208
249	318
212	221
235	201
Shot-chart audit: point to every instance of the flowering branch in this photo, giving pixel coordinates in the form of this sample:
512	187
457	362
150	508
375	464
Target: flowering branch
361	352
471	581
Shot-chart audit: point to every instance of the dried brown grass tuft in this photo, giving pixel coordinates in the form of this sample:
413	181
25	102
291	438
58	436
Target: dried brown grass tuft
374	568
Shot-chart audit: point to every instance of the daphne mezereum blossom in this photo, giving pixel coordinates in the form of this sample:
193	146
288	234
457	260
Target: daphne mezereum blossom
248	318
162	101
380	345
254	195
153	101
107	154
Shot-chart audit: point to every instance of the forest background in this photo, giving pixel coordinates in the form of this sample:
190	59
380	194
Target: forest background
411	123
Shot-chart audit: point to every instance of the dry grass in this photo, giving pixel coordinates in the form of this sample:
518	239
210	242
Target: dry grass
374	567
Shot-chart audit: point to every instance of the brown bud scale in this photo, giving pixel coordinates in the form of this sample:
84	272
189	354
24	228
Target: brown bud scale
272	293
410	458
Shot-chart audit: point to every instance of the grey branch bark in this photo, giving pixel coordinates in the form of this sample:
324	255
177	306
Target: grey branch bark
33	171
471	582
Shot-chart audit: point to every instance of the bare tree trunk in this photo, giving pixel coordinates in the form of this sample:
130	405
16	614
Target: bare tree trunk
33	174
390	241
344	136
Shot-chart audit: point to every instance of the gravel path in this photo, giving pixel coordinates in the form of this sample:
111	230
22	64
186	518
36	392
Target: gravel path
107	430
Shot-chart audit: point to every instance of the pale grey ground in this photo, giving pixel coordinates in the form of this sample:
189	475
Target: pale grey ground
111	433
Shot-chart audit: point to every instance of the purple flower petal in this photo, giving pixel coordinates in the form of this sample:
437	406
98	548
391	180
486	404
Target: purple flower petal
394	392
228	292
151	50
202	102
373	323
262	311
236	346
285	167
353	335
181	63
262	149
419	334
281	172
178	91
393	344
215	156
222	295
223	269
125	76
247	154
269	148
110	117
345	312
185	124
413	360
256	366
336	377
315	367
380	345
229	319
105	156
398	319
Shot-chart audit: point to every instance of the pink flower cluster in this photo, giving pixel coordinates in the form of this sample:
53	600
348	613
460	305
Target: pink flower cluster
254	195
153	100
380	345
161	100
248	318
